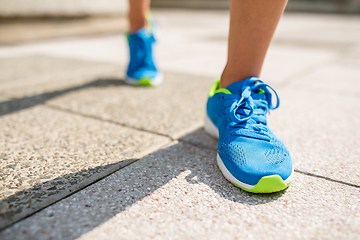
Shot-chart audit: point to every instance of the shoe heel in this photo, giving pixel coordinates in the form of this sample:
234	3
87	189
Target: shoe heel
210	128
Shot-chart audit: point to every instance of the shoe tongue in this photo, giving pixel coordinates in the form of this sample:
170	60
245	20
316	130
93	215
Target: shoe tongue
236	87
143	32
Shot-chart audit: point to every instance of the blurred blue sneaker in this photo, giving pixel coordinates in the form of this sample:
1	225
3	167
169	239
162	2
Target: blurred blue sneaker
142	70
249	154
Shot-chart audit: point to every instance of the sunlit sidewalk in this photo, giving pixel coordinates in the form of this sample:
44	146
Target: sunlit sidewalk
138	160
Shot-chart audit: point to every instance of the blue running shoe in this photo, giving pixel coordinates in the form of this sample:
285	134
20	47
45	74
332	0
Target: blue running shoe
142	70
249	154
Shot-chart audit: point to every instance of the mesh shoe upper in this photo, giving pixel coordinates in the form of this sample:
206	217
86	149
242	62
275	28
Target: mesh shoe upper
247	147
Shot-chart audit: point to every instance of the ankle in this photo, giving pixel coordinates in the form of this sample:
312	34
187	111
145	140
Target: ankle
231	75
137	25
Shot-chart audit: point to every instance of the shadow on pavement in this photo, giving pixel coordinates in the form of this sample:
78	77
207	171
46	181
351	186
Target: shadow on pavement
18	104
194	155
92	207
26	202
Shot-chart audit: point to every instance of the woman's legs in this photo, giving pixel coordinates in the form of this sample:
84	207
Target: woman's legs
137	14
252	25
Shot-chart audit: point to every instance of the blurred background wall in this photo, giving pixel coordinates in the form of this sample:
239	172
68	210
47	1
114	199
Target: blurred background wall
29	20
329	6
76	8
61	8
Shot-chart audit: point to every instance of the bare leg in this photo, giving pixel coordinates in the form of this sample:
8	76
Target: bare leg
137	14
252	25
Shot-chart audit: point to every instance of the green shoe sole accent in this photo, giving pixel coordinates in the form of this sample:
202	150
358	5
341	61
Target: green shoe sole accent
215	89
268	184
145	82
223	90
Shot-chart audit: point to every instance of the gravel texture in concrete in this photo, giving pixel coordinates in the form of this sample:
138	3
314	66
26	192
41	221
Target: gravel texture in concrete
179	193
46	154
175	108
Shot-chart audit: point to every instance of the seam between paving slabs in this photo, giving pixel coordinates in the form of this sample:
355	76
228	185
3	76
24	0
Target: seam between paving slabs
105	120
327	178
123	165
295	77
305	72
295	170
70	191
120	166
186	142
89	182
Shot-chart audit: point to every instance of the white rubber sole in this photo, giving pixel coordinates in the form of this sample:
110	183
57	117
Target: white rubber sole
233	180
212	130
154	82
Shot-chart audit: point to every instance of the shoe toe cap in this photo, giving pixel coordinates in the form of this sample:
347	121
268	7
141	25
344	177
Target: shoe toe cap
250	160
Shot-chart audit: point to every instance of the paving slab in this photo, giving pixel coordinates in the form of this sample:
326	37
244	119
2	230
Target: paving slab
200	48
352	56
283	62
320	28
179	193
319	128
47	154
340	78
201	139
206	45
22	30
208	58
174	109
30	75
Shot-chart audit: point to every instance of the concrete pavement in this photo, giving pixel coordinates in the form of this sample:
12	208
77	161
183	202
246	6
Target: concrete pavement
67	120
